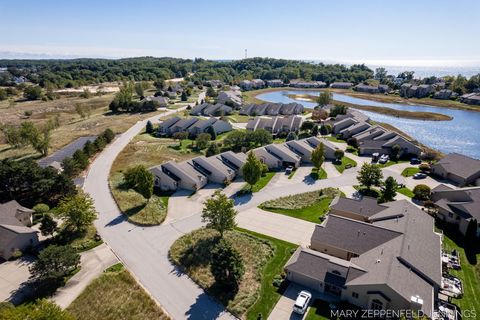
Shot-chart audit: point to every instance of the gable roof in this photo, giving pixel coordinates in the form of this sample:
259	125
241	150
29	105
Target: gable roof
365	207
459	165
8	217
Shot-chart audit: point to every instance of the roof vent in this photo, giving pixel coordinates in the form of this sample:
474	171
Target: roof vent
381	251
378	261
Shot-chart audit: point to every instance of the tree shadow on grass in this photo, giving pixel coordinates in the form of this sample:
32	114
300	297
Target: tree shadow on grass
134	210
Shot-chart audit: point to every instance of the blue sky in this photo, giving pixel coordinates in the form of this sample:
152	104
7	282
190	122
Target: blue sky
437	31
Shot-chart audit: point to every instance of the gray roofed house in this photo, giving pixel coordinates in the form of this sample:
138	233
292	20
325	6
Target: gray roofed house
198	109
15	235
182	125
275	124
233	98
392	263
283	153
379	140
162	101
354	129
55	159
471	98
233	160
214	169
457	206
458	168
164	127
329	148
274	83
200	126
307	84
341	85
359	209
272	109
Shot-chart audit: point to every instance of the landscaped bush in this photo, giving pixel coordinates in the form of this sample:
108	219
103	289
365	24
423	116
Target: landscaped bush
302	200
422	192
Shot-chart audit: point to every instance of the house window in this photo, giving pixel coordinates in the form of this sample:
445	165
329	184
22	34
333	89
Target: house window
450	215
457	218
376	304
355	295
336	272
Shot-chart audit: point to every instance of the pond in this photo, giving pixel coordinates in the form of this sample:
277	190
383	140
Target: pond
461	134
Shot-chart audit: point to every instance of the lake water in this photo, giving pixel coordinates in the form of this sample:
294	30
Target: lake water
462	134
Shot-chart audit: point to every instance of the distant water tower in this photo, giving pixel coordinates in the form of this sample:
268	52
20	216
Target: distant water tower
245	53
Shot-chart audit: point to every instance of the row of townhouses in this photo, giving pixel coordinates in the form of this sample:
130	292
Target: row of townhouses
196	173
275	125
272	109
193	126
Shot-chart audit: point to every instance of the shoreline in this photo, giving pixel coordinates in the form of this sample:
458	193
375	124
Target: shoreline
250	96
415	115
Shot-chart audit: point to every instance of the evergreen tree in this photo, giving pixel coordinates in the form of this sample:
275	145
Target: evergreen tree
149	127
212	149
252	169
48	226
389	190
211	131
227	266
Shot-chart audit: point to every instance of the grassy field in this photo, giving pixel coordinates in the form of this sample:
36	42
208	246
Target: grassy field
72	126
344	163
192	252
269	295
408	172
309	206
238	118
148	151
469	273
334	139
115	295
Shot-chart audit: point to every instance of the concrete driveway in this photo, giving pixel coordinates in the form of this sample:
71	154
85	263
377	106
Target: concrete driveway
276	225
12	275
93	263
284	308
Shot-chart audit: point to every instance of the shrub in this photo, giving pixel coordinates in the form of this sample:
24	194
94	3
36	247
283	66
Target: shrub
421	192
425	167
108	135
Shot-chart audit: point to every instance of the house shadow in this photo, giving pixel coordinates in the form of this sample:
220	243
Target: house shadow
204	308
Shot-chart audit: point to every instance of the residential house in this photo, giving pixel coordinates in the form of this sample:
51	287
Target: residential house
275	125
198	109
409	90
251	85
471	98
214	169
459	169
274	83
172	176
354	129
200	126
384	143
213	83
457	206
301	148
282	152
15	234
272	109
357	209
235	161
230	98
182	125
171	95
162	102
372	89
307	84
377	265
271	161
445	94
164	127
341	85
342	124
328	147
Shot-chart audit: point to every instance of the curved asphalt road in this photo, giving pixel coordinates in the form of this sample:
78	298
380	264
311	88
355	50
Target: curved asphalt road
144	250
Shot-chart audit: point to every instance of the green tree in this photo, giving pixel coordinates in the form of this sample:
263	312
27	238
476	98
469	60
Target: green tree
70	167
389	190
100	143
291	136
227	266
48	226
139	90
108	135
211	131
339	154
324	98
315	130
42	309
318	156
212	149
202	140
140	179
307	126
396	149
55	262
422	192
89	148
78	211
323	130
123	98
180	136
370	175
338	109
41	208
211	92
12	136
258	138
219	213
81	159
3	94
252	169
236	140
33	93
149	127
184	96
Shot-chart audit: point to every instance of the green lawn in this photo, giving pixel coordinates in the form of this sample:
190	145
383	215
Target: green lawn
391	163
115	295
318	175
405	191
342	165
269	295
408	172
319	310
261	183
309	206
290	176
469	274
334	139
238	118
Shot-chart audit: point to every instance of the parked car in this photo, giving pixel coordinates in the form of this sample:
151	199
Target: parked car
288	170
415	161
375	156
301	304
384	159
419	175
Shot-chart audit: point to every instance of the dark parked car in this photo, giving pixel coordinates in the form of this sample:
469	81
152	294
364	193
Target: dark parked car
415	161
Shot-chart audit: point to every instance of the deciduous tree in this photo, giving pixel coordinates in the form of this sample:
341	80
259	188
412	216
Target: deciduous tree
219	213
318	156
389	190
55	262
78	211
370	175
252	169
